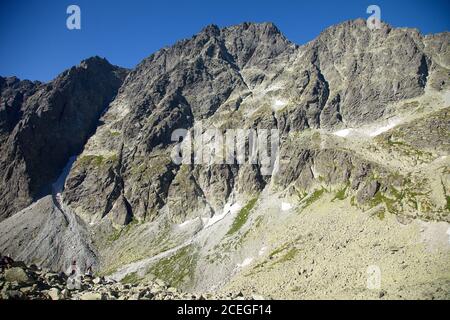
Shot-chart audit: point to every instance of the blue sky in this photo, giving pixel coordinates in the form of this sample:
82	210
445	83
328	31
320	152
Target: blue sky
35	43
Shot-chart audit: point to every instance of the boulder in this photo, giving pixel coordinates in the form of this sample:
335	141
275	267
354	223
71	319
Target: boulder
18	275
93	296
367	191
54	294
97	280
14	295
120	214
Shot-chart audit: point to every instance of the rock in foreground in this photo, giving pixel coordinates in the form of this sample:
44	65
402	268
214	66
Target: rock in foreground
21	282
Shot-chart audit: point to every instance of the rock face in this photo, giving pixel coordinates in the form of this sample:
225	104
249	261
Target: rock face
42	125
246	76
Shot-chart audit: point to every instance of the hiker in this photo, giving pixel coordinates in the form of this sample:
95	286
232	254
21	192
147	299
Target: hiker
74	280
74	267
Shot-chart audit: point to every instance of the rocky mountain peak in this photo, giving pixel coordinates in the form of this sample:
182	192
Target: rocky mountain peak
95	60
211	30
45	124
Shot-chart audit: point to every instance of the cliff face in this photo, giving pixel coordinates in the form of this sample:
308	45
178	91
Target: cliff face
42	125
363	121
245	76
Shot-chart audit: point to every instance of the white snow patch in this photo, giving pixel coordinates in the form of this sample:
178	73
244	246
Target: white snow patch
245	263
278	104
343	132
285	206
262	251
58	185
448	232
379	130
228	209
369	131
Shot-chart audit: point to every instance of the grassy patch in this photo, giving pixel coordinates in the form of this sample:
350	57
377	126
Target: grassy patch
116	234
353	201
340	195
277	251
301	195
313	197
381	215
97	160
381	198
242	217
288	256
178	269
258	222
131	278
408	150
448	203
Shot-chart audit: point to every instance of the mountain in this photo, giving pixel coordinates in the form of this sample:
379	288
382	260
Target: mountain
43	125
361	176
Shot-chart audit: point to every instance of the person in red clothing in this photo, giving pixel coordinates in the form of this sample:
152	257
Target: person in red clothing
74	280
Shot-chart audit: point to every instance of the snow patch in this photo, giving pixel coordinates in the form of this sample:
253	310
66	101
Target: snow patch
379	130
343	133
448	232
228	209
368	131
262	251
246	262
285	206
58	185
278	104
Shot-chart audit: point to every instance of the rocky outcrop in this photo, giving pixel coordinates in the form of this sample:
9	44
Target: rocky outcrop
42	125
217	77
231	78
21	282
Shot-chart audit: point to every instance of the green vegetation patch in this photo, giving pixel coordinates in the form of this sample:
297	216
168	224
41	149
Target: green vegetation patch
97	160
178	269
288	256
278	251
242	217
340	195
284	253
313	197
131	278
381	215
381	198
116	234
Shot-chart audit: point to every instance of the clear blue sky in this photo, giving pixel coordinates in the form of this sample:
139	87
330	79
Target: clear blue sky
35	43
